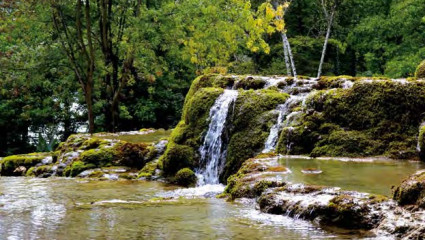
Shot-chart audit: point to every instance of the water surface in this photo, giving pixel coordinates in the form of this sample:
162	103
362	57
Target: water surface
32	208
374	177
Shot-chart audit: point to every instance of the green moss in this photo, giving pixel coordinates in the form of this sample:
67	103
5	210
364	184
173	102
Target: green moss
148	170
133	155
187	136
77	167
93	143
127	176
250	83
251	125
9	164
98	157
421	142
420	70
237	188
345	143
185	177
412	190
223	82
370	119
177	157
197	84
30	172
40	171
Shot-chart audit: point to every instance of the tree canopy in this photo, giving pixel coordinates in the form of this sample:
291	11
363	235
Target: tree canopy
128	64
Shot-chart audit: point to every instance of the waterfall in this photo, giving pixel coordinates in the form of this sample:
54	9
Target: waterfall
212	154
284	111
299	91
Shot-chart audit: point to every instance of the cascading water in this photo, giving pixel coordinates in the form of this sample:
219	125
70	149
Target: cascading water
284	110
212	154
299	91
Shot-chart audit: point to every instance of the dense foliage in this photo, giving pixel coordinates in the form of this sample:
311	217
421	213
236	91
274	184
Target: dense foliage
135	60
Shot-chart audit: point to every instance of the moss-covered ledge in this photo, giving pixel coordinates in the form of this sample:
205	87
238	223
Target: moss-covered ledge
248	124
372	118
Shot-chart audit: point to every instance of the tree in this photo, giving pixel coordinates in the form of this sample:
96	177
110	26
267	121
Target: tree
289	60
75	36
329	10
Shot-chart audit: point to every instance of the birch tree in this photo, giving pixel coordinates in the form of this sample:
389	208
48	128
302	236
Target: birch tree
329	9
289	59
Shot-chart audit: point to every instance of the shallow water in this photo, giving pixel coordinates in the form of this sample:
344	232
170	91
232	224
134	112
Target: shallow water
32	208
374	177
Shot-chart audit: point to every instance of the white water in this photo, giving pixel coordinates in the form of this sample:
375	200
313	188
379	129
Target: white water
212	156
299	91
284	111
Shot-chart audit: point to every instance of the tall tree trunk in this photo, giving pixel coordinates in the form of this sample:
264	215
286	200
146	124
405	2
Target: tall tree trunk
325	45
291	58
90	70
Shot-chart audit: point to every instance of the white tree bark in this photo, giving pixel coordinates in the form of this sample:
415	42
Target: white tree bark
330	19
291	58
289	61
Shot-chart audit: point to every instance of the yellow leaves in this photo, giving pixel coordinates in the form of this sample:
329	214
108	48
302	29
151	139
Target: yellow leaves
270	13
255	49
270	30
259	22
279	24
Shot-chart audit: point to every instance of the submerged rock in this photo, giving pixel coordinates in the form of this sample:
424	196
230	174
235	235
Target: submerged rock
330	206
255	176
327	206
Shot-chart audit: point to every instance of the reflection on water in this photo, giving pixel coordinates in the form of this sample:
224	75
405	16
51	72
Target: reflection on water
374	177
79	209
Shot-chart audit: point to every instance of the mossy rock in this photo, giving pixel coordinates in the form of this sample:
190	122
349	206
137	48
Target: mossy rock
250	83
250	127
187	136
420	70
133	155
177	157
41	171
148	170
17	165
372	118
185	177
98	157
411	191
93	143
421	143
77	167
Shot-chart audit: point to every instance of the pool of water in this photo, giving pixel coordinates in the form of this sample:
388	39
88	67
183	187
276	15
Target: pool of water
374	177
32	208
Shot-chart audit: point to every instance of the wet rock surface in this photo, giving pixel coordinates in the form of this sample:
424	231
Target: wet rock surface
412	190
331	206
